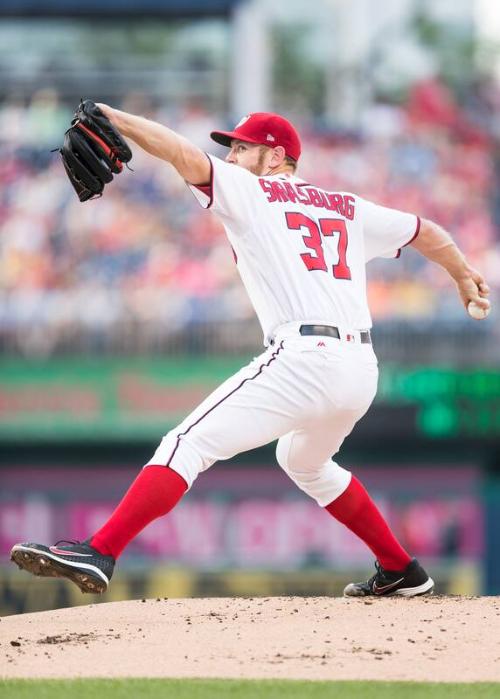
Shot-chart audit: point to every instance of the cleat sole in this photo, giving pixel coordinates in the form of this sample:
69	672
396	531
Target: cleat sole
427	588
42	566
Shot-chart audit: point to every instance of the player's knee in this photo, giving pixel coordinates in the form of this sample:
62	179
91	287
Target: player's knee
295	462
283	451
182	456
288	460
323	482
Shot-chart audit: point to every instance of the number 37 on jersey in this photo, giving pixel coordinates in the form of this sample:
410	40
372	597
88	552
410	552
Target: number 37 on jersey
313	234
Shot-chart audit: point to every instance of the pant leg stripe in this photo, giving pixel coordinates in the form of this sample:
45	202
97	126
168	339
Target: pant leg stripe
250	378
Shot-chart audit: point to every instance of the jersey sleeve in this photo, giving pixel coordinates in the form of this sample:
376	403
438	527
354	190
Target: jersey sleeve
229	193
386	230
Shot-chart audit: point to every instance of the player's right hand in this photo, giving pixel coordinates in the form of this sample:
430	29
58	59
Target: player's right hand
474	288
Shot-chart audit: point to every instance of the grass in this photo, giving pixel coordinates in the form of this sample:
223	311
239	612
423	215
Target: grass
239	689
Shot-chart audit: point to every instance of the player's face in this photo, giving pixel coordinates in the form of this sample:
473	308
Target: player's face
252	157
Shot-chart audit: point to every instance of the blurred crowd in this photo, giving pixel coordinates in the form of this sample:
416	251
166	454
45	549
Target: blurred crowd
145	263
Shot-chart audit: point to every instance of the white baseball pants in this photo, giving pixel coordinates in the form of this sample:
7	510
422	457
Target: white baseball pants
306	391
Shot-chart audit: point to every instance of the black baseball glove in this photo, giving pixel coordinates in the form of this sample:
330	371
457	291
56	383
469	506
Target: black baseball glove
93	151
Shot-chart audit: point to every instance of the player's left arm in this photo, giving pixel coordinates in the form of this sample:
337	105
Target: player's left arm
437	245
191	162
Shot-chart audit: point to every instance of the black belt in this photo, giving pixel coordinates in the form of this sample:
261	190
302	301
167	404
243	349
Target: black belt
332	331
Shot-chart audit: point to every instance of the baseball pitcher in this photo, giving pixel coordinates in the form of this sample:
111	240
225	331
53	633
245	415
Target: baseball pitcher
301	252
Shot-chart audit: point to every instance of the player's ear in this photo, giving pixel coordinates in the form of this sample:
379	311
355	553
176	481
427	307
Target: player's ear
278	156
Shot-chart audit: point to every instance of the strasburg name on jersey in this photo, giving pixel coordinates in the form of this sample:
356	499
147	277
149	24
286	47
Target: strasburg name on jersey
304	193
302	250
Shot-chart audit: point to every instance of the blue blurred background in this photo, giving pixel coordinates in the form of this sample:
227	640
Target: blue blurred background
117	316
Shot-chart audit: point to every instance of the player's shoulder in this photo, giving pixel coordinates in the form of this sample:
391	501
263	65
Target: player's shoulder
231	174
224	166
302	182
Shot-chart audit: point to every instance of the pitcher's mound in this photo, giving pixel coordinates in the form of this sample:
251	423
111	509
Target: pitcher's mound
429	638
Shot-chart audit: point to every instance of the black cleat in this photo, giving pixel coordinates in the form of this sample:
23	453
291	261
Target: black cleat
90	570
410	582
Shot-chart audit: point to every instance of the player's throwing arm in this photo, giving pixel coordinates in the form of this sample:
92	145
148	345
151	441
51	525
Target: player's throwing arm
437	245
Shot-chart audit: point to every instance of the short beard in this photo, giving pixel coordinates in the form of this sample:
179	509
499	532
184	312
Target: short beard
258	169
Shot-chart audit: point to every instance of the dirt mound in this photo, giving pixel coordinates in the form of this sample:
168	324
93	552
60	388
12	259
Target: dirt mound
430	638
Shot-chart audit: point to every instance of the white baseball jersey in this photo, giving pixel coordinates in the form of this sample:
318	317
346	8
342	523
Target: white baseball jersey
300	250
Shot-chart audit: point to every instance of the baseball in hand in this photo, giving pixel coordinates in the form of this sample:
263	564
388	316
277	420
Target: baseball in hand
476	311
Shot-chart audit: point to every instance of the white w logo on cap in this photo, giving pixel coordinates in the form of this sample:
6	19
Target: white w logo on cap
242	121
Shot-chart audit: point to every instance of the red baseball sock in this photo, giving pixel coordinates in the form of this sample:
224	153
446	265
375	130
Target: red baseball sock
358	512
155	491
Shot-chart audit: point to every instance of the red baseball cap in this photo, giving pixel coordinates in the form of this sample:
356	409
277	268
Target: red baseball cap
265	129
